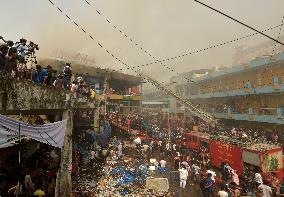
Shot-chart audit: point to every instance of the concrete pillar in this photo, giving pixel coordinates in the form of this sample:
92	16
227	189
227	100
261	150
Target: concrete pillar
65	181
57	118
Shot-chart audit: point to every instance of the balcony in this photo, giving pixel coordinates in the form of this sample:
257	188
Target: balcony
276	116
276	88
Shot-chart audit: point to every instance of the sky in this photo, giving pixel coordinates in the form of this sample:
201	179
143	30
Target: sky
165	28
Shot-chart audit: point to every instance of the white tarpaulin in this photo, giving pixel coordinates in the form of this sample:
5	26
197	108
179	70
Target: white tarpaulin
51	133
161	184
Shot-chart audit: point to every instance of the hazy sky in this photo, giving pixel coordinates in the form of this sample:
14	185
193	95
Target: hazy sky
164	27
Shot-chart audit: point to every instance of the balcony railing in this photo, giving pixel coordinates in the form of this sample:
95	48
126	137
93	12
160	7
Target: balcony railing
274	116
276	88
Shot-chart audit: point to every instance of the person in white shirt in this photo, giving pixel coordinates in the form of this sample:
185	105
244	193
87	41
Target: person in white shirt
195	170
258	178
174	148
22	48
266	190
163	163
29	185
92	158
119	152
234	131
137	141
145	150
213	174
183	174
151	146
93	153
168	148
222	192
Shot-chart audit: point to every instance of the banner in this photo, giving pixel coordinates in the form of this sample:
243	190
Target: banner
51	133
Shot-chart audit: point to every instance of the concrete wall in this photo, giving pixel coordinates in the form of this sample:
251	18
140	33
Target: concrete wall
31	96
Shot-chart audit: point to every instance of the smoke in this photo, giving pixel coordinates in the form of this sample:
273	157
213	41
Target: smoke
165	28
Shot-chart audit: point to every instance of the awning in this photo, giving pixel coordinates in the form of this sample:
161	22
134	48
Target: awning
51	133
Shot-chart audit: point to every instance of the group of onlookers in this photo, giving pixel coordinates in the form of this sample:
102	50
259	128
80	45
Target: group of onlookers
15	56
19	60
37	173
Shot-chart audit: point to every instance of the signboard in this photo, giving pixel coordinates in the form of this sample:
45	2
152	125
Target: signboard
251	158
272	161
232	154
161	184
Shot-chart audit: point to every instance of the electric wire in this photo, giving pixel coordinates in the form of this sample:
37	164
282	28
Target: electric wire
130	39
211	47
188	104
239	22
279	33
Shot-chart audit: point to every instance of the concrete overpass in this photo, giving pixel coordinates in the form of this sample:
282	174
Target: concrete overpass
20	95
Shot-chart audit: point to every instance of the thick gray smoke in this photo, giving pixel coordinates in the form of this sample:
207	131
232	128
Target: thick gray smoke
163	27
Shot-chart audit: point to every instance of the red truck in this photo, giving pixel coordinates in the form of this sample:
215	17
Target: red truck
267	157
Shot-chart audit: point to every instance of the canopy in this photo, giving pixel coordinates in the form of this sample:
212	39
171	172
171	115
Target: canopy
51	133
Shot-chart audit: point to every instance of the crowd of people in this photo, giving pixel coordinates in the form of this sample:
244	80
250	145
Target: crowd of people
158	126
37	173
18	60
240	107
15	56
156	135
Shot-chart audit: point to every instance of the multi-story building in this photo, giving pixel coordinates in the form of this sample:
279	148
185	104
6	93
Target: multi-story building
249	95
246	95
245	54
123	91
156	101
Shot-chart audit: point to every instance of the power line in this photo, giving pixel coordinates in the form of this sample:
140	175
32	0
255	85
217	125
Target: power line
210	47
130	39
90	36
93	39
238	21
280	30
158	85
125	35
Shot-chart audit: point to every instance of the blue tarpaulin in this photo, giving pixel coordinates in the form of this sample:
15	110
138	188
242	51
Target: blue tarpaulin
127	178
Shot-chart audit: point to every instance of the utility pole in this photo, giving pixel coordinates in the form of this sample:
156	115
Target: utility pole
169	127
141	90
174	101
